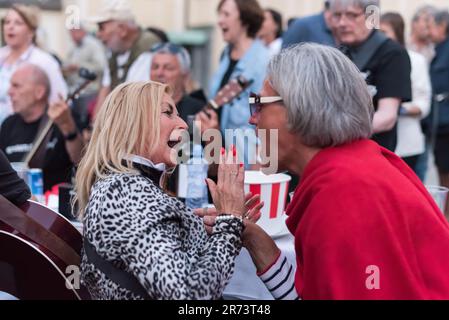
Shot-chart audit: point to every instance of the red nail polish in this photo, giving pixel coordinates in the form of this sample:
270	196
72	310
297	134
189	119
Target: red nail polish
223	151
241	165
234	152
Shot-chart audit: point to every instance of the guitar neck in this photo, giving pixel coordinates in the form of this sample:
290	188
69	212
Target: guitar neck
45	131
39	141
213	105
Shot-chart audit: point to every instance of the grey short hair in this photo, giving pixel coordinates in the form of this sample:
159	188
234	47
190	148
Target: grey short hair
327	99
363	4
440	17
424	10
180	52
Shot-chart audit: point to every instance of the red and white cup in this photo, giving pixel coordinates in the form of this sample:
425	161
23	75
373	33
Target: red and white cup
273	191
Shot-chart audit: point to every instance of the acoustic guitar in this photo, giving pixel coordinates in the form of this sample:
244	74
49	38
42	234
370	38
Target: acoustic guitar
232	90
27	273
34	158
36	248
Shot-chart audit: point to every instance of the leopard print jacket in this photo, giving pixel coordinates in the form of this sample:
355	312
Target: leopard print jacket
132	223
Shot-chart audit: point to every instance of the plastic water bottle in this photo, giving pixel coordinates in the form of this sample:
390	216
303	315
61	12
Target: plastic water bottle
197	168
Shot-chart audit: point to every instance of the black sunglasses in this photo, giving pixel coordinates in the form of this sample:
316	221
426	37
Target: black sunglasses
256	102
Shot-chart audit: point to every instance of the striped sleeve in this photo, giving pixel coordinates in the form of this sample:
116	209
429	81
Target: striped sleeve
280	279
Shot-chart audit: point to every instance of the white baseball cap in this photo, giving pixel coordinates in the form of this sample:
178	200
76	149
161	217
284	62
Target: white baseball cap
114	10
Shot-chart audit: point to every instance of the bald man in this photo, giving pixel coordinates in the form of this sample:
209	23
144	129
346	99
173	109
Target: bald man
29	92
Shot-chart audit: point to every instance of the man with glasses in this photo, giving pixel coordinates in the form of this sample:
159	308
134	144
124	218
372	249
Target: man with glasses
384	63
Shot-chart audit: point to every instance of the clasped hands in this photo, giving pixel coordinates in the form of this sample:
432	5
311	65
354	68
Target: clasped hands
228	193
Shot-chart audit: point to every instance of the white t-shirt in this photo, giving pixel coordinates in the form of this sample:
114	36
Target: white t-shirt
411	140
122	59
140	69
275	47
35	56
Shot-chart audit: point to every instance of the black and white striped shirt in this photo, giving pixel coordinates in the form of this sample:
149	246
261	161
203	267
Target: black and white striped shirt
280	279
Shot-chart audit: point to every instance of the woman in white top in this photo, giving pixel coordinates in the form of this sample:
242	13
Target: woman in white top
19	30
271	31
411	140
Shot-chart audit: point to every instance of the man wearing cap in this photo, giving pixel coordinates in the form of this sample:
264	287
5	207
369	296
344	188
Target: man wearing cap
124	39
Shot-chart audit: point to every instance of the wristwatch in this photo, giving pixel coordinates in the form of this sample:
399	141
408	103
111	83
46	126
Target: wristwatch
71	136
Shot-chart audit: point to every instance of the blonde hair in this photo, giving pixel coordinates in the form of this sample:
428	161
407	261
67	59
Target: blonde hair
127	123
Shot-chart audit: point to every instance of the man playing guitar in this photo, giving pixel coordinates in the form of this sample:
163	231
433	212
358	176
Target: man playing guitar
62	147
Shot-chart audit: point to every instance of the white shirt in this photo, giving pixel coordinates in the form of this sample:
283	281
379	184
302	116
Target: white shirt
140	69
275	47
35	56
411	140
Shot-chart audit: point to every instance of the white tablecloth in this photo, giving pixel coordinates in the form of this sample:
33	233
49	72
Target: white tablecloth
245	284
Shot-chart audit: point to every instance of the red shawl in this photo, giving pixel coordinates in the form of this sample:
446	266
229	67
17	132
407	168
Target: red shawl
366	228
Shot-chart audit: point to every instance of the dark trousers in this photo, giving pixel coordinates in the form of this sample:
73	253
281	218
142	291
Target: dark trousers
412	161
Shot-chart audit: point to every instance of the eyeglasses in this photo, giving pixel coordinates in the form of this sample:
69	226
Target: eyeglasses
350	16
167	46
256	102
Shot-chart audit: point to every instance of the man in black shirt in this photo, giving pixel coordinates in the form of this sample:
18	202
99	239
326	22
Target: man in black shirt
384	63
29	96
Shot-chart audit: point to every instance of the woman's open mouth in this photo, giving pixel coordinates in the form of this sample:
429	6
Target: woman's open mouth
172	144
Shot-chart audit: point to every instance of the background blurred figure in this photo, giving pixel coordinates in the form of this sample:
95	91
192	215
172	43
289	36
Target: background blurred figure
29	92
411	139
240	21
439	72
19	30
87	52
171	65
385	64
316	28
125	40
420	40
271	31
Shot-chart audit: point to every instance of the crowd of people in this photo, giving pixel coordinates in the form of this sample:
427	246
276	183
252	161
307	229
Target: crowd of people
357	110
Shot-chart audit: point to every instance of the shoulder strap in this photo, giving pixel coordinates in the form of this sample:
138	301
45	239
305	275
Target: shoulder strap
362	55
37	161
119	276
144	43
